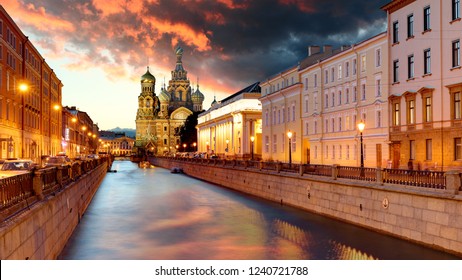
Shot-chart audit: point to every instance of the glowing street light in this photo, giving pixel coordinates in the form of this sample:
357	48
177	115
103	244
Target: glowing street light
361	126
289	134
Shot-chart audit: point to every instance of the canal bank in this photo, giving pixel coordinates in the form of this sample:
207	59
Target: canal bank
41	231
431	217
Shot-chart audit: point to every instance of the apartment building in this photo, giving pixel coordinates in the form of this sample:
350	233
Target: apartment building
426	83
280	99
337	93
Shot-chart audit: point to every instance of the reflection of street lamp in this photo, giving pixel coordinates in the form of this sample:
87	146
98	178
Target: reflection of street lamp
361	126
289	134
252	139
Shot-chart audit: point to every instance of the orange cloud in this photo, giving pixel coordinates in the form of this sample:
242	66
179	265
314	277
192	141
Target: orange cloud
37	17
302	5
231	5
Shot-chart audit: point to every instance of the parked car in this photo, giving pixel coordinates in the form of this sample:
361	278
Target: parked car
58	161
12	167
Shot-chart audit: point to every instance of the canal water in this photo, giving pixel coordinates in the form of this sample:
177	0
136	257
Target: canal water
152	214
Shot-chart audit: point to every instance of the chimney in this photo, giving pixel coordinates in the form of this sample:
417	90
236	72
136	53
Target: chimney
327	49
313	50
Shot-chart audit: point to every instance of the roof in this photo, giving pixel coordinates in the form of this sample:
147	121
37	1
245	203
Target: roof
255	87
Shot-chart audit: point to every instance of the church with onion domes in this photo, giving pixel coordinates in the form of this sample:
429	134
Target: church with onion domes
159	117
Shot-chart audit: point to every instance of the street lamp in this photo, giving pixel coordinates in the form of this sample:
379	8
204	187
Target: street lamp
184	147
194	145
252	139
361	126
227	142
289	134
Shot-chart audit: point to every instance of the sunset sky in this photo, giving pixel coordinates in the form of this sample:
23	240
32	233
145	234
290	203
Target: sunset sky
100	48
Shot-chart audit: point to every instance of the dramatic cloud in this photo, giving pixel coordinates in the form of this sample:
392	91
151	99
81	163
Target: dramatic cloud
228	43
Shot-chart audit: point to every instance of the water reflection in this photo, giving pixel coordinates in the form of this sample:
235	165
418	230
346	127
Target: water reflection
153	214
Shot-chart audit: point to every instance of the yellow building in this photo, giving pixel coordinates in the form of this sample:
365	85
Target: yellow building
346	86
159	117
232	127
281	114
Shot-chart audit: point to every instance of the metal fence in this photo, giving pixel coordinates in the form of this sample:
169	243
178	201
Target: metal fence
426	179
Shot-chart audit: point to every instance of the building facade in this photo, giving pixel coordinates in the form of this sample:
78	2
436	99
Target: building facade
30	97
340	90
233	127
281	114
426	83
159	117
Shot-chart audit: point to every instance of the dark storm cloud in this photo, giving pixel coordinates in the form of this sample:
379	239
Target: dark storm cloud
227	43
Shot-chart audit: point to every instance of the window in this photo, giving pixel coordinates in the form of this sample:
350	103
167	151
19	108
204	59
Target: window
396	115
327	100
410	26
340	124
411	112
266	118
340	97
458	148
315	151
293	112
333	75
395	71
333	99
355	94
411	149
363	63
410	66
1	28
456	53
428	149
378	119
348	152
333	125
354	66
347	69
288	114
427	61
266	144
378	88
378	58
327	151
326	78
340	151
326	129
455	9
275	145
315	127
315	80
333	151
428	109
306	104
347	95
339	72
395	32
426	26
363	91
294	142
307	130
306	83
456	105
283	138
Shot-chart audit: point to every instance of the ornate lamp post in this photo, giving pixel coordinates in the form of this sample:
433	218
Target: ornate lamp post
184	147
361	126
289	134
252	139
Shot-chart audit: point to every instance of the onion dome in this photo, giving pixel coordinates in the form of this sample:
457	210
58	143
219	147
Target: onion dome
197	96
148	77
164	96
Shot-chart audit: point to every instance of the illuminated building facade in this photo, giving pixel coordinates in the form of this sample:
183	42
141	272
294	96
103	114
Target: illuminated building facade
30	117
346	86
80	134
426	84
280	100
232	127
159	117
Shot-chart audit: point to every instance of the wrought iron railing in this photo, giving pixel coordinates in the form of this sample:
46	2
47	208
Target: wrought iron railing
427	179
14	189
357	173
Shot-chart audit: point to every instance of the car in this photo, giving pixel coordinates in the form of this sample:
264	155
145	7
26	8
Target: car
58	161
12	167
93	156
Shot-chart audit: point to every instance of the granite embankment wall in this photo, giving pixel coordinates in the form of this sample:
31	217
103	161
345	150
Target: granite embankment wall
42	231
427	216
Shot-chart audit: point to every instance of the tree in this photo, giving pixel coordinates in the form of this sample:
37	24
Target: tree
188	132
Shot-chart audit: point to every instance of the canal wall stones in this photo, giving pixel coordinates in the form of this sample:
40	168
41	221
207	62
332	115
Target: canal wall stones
431	217
42	231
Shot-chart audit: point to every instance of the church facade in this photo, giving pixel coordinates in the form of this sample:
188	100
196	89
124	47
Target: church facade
159	117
